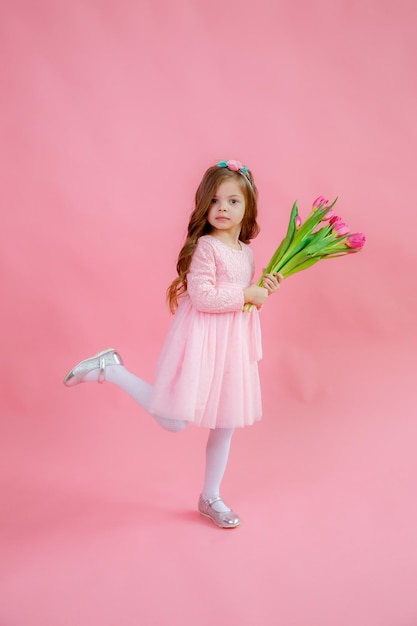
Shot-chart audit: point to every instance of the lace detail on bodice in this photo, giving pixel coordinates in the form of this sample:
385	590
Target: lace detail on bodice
218	274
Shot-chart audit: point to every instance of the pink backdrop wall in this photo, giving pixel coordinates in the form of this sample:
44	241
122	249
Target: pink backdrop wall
111	111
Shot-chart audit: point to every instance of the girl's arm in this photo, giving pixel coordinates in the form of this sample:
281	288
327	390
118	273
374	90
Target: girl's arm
255	295
272	282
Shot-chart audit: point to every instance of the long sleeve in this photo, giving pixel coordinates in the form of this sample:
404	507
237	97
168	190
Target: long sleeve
209	294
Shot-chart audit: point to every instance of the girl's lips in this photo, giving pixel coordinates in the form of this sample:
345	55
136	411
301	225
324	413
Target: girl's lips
222	217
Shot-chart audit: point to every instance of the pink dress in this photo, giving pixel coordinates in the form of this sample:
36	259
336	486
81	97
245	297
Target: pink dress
207	372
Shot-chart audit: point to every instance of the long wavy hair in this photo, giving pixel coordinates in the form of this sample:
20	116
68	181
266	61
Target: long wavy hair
198	224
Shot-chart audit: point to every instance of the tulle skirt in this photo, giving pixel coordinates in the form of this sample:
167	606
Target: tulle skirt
207	371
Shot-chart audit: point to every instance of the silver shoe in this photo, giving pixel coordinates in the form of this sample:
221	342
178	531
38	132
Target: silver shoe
98	361
228	519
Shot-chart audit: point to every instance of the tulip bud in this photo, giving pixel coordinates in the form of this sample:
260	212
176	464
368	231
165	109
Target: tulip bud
321	201
356	241
340	227
298	221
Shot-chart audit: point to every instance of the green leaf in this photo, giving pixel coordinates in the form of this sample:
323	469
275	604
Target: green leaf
304	246
301	266
283	246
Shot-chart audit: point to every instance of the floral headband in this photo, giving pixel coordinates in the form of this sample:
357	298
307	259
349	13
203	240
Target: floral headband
235	166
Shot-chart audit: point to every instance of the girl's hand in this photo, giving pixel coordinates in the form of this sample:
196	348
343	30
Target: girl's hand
271	282
255	295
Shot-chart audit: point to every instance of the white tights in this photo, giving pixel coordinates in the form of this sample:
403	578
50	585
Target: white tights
141	392
218	443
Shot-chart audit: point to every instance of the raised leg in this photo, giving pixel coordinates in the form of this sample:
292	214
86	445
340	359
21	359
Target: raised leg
108	366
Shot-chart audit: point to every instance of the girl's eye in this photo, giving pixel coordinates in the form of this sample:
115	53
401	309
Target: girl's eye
213	200
234	201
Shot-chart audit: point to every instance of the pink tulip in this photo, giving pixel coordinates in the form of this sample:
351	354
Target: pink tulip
319	202
298	221
356	241
339	226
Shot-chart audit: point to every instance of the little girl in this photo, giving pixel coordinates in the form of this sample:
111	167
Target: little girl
207	372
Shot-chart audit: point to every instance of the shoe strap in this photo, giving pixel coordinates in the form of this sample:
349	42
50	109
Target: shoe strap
211	501
102	363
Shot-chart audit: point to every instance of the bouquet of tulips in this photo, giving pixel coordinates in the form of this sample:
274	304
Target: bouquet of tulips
323	235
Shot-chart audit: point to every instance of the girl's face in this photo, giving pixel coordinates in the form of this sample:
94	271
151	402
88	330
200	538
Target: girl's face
227	208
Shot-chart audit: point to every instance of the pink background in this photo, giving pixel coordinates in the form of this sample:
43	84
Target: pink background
110	113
